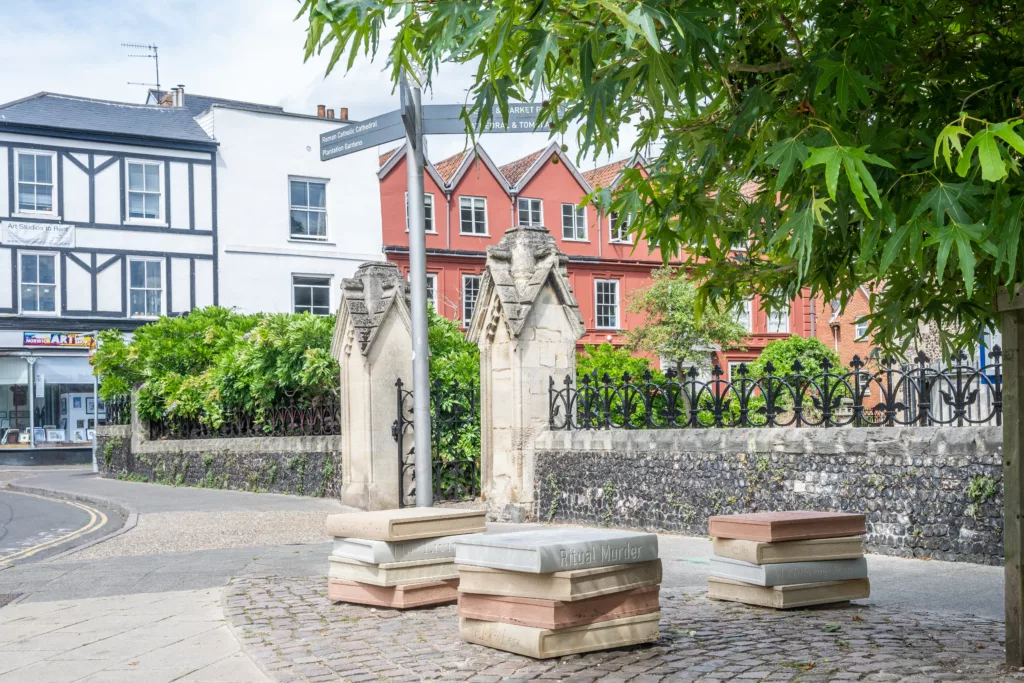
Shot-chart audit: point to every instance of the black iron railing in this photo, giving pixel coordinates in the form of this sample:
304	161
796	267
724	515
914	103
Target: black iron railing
890	394
317	417
454	438
119	410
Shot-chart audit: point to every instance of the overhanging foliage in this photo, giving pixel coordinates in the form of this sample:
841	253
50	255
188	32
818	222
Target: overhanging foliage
883	138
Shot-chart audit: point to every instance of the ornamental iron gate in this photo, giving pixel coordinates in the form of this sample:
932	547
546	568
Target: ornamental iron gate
455	440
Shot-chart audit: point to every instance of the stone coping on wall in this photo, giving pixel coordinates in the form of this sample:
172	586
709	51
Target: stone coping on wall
123	431
249	445
925	446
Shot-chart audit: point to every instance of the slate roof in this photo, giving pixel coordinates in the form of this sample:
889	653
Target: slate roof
197	104
446	168
604	176
515	170
67	112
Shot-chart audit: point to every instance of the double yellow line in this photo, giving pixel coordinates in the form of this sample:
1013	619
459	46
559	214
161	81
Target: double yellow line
96	520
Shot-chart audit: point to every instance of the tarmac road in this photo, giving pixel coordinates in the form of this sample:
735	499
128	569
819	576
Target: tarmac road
33	528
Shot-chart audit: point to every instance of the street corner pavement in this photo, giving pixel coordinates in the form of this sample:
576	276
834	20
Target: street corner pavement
151	638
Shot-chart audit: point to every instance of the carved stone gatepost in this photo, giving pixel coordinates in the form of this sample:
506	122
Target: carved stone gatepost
526	323
373	345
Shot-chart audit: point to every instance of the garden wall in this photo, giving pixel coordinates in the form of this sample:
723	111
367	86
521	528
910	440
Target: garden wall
927	491
301	465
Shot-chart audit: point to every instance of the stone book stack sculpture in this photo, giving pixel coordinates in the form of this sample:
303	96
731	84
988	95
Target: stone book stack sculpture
555	592
398	558
788	559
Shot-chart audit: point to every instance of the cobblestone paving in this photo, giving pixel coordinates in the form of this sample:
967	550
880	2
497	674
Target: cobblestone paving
295	634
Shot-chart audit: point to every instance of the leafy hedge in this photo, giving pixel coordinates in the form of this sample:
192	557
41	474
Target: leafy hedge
213	360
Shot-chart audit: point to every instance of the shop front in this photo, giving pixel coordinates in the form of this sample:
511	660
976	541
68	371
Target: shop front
47	394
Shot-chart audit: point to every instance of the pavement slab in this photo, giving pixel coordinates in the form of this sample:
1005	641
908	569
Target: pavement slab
295	633
150	637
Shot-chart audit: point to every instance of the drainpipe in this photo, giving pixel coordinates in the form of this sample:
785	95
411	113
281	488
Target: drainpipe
512	210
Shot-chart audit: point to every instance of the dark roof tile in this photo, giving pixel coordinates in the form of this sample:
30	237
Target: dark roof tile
66	112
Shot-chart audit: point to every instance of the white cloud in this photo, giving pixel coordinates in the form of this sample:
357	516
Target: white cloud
243	49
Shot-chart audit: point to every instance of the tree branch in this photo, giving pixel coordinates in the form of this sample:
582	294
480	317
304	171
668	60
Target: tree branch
792	34
761	68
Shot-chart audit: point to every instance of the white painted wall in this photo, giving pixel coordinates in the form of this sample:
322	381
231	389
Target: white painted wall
258	154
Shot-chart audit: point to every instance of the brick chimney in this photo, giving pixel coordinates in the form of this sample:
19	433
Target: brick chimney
343	113
321	110
330	113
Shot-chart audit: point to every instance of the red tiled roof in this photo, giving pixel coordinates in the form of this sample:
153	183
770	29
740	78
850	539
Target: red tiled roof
515	170
387	155
604	176
446	167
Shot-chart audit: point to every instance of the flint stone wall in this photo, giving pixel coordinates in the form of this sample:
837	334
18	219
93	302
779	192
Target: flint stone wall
923	489
301	465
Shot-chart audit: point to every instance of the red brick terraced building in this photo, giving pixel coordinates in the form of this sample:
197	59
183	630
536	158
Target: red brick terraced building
471	201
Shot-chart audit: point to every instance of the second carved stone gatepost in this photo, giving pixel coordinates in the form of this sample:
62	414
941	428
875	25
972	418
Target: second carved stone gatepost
373	345
526	323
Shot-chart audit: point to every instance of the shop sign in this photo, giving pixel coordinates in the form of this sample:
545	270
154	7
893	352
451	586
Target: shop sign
39	234
65	339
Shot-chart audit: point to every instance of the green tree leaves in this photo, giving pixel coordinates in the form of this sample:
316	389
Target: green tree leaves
852	161
848	83
785	155
896	125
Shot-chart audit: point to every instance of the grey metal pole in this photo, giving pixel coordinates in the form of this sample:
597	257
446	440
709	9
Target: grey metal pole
418	280
95	408
31	401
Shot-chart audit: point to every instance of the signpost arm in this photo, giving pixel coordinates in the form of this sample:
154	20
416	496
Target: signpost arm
1012	307
418	280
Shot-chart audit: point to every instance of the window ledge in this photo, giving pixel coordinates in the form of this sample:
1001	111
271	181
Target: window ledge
40	215
147	223
567	239
473	234
295	240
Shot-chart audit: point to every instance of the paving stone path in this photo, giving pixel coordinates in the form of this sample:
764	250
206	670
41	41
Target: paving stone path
295	634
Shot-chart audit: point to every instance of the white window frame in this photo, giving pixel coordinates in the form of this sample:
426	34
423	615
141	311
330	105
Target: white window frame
16	210
473	200
161	185
616	237
860	331
163	289
327	220
428	199
534	206
779	317
575	227
318	276
476	298
735	364
432	288
746	306
56	282
597	304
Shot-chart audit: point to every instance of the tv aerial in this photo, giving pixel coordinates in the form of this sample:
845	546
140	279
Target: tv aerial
150	53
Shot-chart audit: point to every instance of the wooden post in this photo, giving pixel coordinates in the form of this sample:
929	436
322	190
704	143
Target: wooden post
1012	308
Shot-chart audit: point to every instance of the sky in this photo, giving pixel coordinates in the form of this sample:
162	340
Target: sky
242	49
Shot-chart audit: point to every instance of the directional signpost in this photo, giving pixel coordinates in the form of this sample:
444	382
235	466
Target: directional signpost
412	122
